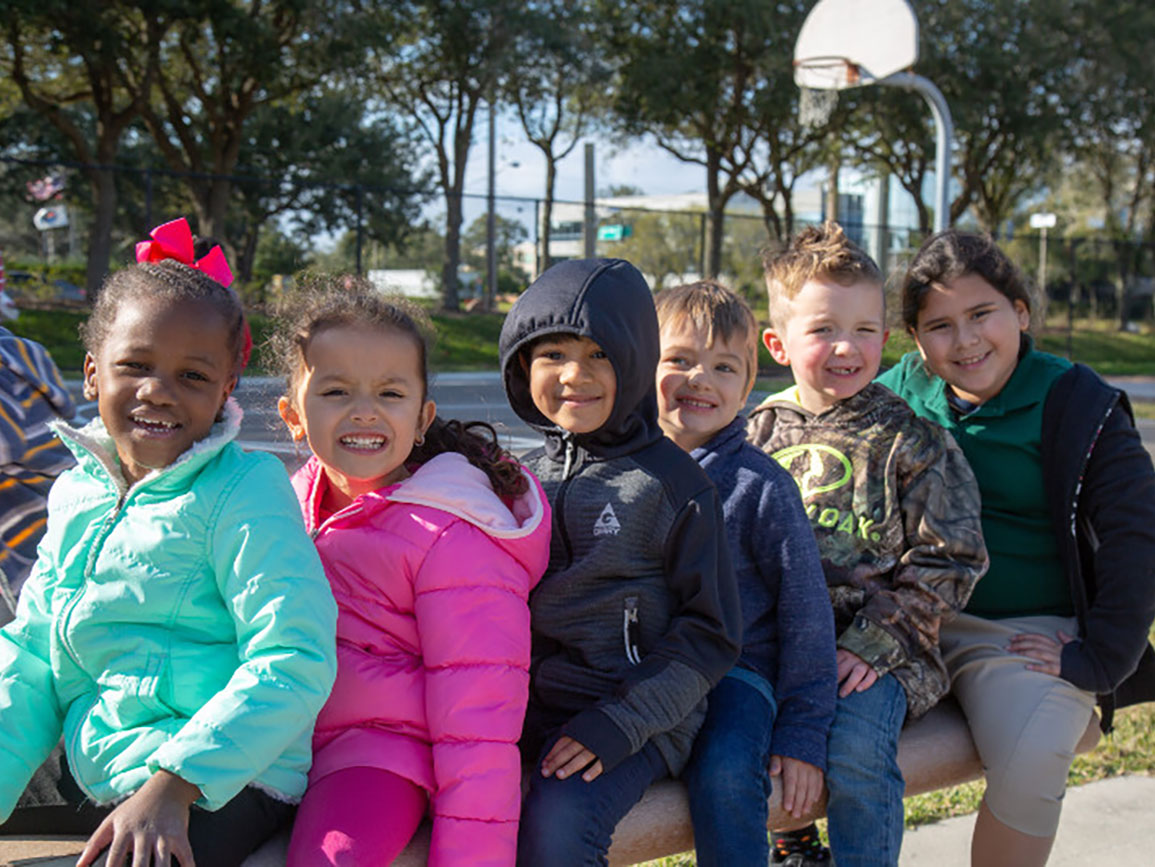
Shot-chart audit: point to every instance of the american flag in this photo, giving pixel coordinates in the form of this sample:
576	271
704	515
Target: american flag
43	189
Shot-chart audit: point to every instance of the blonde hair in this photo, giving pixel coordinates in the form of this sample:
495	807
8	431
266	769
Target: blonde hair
815	252
710	307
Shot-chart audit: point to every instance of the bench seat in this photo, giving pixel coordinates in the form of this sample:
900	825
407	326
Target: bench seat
935	752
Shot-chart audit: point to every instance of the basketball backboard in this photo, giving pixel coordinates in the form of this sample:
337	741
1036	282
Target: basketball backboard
848	43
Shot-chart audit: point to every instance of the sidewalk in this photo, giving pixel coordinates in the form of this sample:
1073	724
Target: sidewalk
1106	822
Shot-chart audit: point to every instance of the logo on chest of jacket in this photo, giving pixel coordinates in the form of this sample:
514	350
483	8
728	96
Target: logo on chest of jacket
607	523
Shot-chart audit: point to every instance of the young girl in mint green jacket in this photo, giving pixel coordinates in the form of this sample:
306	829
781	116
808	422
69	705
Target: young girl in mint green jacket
177	629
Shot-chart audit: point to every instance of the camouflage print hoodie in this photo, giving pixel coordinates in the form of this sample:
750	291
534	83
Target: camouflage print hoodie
895	509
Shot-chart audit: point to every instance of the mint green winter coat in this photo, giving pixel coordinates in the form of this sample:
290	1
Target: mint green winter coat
184	623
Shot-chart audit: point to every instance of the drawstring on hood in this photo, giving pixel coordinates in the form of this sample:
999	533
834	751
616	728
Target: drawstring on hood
608	301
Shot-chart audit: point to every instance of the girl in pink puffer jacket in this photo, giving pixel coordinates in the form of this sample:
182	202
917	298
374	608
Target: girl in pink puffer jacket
431	538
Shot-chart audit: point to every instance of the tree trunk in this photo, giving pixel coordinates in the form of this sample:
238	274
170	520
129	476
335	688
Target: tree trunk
547	213
830	206
715	210
449	295
103	186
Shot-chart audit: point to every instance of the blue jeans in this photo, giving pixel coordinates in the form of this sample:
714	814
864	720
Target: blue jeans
727	776
862	776
571	822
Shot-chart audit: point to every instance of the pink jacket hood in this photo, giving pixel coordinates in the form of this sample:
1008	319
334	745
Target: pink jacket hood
449	482
432	578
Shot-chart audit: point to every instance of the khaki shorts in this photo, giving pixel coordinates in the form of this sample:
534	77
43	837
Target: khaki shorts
1025	723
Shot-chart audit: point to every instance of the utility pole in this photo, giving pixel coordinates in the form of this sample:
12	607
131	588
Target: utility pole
489	298
590	227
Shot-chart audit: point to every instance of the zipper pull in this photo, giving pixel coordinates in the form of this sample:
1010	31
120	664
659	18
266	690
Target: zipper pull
631	630
570	455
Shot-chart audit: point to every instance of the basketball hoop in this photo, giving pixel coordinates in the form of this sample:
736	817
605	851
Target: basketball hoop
819	80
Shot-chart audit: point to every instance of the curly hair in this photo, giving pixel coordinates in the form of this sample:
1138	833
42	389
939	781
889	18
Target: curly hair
710	307
952	254
168	280
815	252
334	301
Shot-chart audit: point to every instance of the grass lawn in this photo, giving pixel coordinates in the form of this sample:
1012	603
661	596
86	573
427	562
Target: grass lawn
464	341
468	341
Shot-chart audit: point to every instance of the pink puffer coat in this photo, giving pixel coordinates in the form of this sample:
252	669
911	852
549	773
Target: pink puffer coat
431	578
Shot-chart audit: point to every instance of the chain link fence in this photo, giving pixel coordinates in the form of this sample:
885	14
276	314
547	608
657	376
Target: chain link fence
275	226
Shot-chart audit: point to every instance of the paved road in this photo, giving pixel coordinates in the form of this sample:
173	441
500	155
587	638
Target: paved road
480	397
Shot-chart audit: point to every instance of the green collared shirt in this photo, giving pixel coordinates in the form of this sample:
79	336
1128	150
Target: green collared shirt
1001	439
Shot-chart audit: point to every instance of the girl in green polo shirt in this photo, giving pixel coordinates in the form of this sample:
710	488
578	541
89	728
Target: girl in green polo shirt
1060	621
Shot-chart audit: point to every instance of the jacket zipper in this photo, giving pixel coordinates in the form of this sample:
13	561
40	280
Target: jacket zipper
568	467
108	524
631	630
348	511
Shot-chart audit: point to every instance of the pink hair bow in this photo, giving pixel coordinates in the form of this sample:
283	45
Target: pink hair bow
174	240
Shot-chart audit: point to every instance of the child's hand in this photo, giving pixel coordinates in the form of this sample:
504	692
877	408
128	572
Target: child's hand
801	784
1046	650
567	757
854	673
150	827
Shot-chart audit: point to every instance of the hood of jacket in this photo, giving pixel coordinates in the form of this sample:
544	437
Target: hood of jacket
608	301
449	482
862	410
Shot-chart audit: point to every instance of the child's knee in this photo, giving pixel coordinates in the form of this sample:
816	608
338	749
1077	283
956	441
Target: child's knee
557	823
1026	794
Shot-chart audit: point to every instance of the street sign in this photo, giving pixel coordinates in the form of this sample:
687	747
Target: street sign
1044	220
54	217
614	232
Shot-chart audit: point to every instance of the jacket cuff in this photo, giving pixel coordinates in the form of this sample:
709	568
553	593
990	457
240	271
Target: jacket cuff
1075	668
801	742
596	732
873	644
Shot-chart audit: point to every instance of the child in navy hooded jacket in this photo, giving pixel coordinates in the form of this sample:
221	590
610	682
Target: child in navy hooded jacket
637	616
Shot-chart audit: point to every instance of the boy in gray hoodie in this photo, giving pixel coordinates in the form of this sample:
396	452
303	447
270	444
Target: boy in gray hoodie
637	616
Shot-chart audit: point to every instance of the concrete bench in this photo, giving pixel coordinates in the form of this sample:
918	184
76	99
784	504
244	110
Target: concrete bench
935	752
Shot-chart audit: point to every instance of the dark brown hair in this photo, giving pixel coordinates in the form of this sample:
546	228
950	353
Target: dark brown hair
334	301
952	254
167	280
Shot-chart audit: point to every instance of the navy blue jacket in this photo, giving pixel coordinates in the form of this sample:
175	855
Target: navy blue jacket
637	616
787	621
1101	487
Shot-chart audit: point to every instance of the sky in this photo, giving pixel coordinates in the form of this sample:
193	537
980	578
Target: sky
640	164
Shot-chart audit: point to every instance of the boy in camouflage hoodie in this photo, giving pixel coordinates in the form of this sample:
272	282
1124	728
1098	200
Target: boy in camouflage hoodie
895	510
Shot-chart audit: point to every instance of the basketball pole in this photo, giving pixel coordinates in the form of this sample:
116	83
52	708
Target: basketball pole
943	136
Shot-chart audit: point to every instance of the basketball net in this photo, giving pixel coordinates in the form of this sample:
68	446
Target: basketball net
817	104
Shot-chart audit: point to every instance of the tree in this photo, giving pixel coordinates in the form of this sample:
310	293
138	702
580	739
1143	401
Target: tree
556	90
79	64
1111	125
692	75
451	57
662	246
212	64
996	65
508	234
324	164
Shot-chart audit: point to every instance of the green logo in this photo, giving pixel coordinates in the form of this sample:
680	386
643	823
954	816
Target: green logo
828	468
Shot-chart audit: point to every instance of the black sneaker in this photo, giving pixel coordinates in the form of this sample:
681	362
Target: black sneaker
801	848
